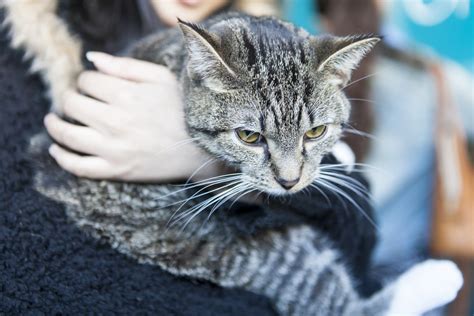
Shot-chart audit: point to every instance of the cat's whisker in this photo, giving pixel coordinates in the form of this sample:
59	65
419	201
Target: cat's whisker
340	199
205	181
243	189
234	179
356	166
246	190
358	190
196	210
205	164
179	144
363	100
353	186
243	194
210	199
202	185
225	197
353	82
330	187
198	194
359	133
358	80
257	108
342	176
344	169
216	206
347	179
340	192
355	131
322	193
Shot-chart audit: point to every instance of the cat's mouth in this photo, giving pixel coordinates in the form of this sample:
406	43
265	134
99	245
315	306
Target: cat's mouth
284	187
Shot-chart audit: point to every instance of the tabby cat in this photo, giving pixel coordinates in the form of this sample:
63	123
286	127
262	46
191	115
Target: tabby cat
266	98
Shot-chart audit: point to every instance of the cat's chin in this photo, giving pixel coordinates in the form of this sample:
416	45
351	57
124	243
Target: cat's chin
283	192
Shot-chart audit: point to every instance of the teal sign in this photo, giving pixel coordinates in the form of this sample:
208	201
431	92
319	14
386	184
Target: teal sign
446	26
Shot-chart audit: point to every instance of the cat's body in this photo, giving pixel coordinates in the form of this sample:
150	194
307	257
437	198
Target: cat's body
271	77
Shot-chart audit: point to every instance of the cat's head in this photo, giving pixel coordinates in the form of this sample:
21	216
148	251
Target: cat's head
267	97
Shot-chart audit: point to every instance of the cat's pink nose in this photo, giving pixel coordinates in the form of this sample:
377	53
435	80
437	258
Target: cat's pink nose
287	184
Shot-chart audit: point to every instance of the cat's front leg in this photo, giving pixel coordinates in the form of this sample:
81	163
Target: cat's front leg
294	267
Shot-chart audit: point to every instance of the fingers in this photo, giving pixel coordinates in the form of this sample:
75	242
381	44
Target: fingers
81	166
129	68
105	87
80	138
87	110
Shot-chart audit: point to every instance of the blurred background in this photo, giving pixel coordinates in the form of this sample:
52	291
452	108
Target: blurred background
444	26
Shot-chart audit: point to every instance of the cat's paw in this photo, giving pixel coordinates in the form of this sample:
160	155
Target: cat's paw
425	286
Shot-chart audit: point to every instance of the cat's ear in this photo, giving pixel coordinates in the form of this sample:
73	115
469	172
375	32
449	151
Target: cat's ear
340	55
206	60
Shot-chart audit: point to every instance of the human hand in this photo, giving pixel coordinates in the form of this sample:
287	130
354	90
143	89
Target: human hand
134	125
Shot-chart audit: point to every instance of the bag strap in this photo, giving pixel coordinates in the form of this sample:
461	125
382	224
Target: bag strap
451	145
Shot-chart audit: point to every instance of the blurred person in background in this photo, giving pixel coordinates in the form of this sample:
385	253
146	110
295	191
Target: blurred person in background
394	99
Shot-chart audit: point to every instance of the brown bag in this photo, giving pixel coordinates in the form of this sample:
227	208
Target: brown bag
453	218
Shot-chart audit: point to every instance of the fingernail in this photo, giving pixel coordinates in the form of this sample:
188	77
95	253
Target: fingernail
47	118
91	56
53	149
94	57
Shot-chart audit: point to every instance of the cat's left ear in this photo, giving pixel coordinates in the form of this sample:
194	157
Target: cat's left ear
206	61
339	56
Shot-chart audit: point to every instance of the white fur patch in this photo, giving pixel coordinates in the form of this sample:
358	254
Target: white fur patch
344	155
425	286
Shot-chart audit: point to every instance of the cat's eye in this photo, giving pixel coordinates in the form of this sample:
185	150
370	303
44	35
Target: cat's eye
249	137
316	132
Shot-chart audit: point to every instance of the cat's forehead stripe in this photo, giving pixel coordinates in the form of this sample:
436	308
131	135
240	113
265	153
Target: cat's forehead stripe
278	67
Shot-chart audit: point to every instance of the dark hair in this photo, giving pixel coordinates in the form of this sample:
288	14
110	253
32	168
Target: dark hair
101	23
110	25
348	17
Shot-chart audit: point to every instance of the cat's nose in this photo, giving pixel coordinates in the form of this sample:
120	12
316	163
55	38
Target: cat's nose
287	184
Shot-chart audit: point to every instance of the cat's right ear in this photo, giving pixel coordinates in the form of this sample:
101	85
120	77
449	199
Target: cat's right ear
206	61
339	56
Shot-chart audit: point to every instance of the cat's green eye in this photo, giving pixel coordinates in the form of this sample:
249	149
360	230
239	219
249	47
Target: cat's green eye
249	137
316	132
